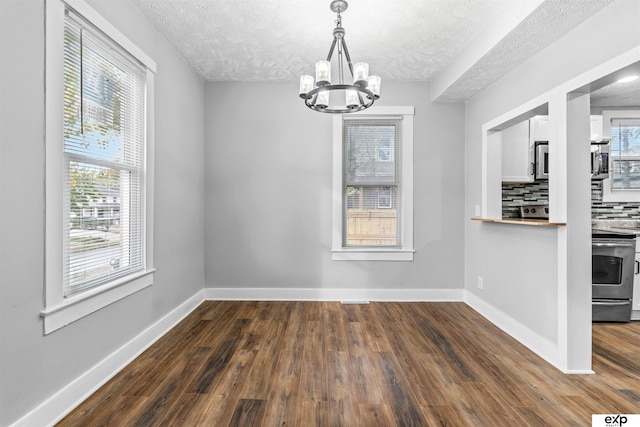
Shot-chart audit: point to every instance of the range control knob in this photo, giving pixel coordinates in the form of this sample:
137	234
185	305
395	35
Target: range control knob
533	210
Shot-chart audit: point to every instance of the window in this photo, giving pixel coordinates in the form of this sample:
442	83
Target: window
625	153
624	129
99	173
373	173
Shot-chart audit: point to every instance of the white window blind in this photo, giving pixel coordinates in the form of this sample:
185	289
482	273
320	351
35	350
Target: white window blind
625	153
371	183
104	146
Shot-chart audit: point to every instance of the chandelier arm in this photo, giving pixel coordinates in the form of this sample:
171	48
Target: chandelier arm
333	45
346	55
340	65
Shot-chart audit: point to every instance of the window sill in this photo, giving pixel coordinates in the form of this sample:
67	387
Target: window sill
79	306
372	254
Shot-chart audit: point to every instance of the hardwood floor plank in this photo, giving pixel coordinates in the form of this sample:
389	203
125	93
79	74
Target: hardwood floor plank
115	412
441	415
488	409
334	326
228	390
373	329
343	409
372	415
163	395
249	412
313	378
271	335
205	380
285	380
380	364
399	394
189	410
312	413
367	384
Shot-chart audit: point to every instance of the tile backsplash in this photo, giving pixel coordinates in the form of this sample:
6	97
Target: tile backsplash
617	210
516	195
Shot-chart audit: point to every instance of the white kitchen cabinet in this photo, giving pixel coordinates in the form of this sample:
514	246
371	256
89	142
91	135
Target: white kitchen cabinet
596	128
517	153
540	128
518	143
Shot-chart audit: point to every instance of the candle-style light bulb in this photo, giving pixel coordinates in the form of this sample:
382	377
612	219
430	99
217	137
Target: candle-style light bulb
373	85
323	73
360	73
352	99
306	85
322	100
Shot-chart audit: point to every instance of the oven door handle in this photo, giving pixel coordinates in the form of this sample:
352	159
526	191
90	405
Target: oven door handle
612	245
611	303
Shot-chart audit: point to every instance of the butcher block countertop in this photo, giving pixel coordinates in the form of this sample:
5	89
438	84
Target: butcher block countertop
522	221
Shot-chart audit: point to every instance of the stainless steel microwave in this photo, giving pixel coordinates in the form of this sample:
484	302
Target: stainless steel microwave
541	165
599	160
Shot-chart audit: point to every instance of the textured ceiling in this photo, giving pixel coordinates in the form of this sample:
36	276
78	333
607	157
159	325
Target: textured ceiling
268	40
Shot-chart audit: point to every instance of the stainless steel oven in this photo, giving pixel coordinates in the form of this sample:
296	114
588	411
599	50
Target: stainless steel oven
613	265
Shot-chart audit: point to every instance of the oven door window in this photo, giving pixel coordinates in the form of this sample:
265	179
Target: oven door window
607	270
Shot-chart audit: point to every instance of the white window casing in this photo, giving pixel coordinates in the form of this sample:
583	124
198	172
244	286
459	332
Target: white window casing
129	204
609	194
403	250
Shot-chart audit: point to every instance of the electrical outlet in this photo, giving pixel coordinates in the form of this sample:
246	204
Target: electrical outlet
480	283
478	210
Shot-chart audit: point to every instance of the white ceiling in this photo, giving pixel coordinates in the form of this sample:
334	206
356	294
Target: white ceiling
461	46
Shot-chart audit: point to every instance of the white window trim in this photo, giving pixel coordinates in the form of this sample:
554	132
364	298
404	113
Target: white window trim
59	310
404	253
608	193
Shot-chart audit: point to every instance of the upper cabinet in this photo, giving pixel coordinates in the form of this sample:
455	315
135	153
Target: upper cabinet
596	128
518	146
517	153
539	128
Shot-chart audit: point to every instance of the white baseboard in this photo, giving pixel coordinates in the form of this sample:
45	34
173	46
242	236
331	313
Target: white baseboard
65	400
544	348
333	294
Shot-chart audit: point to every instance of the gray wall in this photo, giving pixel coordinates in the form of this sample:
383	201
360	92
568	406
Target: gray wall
268	192
519	263
33	366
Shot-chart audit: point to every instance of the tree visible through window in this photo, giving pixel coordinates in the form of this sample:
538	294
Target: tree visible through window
104	159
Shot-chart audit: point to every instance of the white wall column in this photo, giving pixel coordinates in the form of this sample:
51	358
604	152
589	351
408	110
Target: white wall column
569	149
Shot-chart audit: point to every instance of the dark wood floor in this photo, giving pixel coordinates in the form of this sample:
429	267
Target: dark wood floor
381	364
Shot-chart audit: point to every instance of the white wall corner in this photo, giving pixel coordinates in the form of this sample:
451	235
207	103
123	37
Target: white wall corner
57	406
547	350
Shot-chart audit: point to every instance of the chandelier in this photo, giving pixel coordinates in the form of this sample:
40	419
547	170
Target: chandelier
357	96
